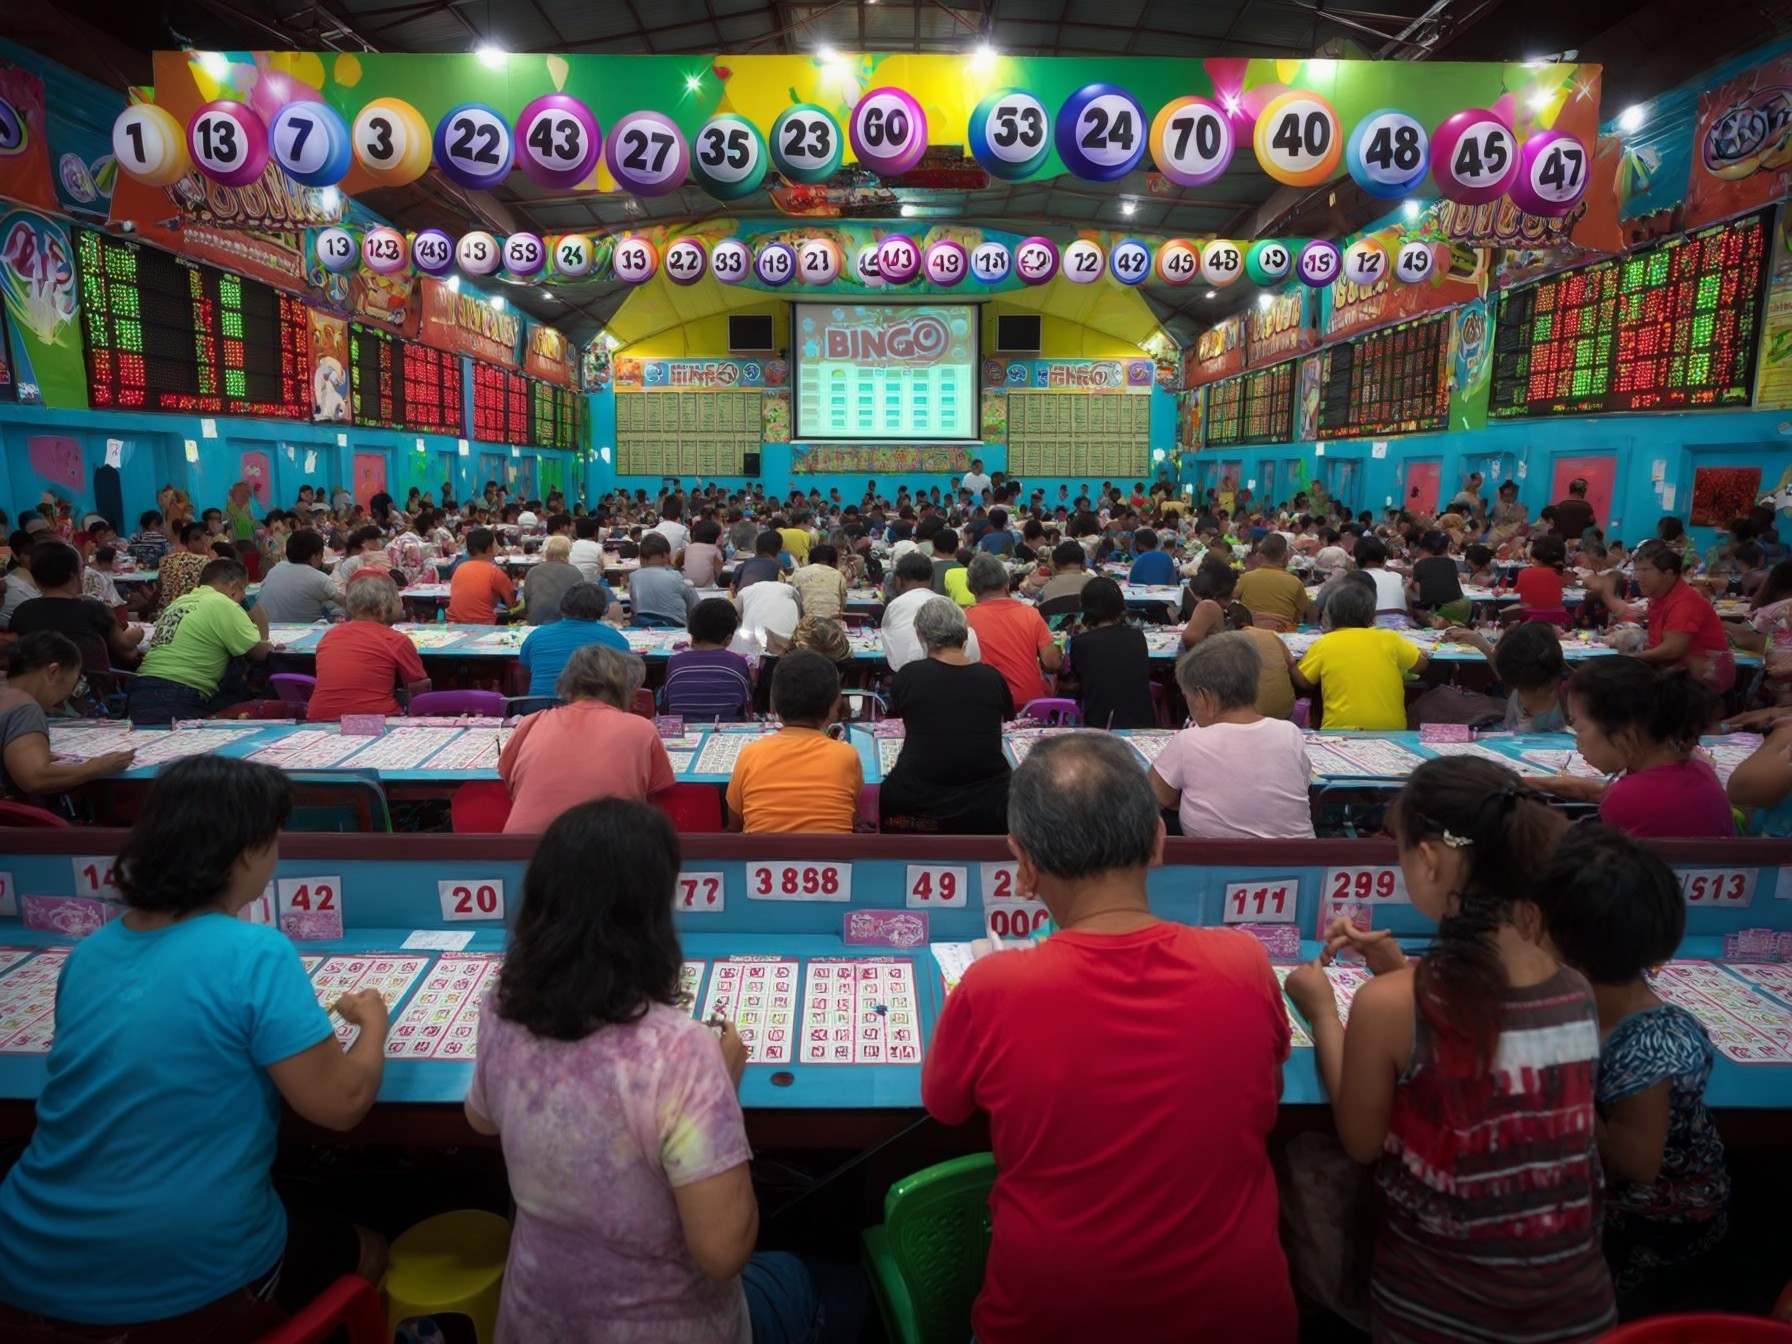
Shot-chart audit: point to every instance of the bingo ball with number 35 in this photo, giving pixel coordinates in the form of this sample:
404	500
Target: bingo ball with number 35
991	263
149	145
731	261
1178	262
1319	263
1552	174
1036	260
337	251
944	262
558	141
525	255
432	251
888	130
1083	262
1474	157
686	261
1101	132
1365	263
310	143
477	253
728	157
229	143
647	155
1414	263
818	261
383	251
636	260
898	259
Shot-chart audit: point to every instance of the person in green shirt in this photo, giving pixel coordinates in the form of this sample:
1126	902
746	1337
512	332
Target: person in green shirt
240	510
190	653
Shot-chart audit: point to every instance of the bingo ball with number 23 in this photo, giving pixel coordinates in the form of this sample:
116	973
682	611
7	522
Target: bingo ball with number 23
1010	134
432	251
944	262
1474	157
229	143
636	261
888	130
1319	263
1552	174
149	145
991	263
1036	260
686	261
806	144
558	141
336	251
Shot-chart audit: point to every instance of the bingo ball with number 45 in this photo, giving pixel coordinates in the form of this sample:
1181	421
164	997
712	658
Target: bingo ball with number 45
686	261
1552	174
337	251
888	130
944	262
1474	157
636	260
818	261
229	142
1178	262
432	251
149	145
477	253
1318	264
525	255
1365	263
383	251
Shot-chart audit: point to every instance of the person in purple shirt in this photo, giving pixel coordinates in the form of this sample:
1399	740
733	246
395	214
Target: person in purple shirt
708	682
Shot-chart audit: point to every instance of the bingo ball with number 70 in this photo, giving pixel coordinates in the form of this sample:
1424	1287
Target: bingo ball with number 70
149	145
337	251
1083	262
1036	260
1222	262
558	141
1474	157
1178	262
944	262
636	261
1010	134
310	143
1130	261
731	261
1365	263
818	261
1318	264
1414	263
432	251
898	259
477	253
686	261
991	263
229	143
888	130
1268	261
383	251
1552	174
525	255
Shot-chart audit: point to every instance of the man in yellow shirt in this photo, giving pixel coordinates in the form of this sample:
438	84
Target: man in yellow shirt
1271	591
1360	670
799	779
794	533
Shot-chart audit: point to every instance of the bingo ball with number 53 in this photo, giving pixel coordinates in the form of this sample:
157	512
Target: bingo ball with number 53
1552	174
310	143
1474	157
1178	262
944	262
432	251
686	261
229	143
477	253
991	263
525	255
1318	264
337	251
731	261
818	261
636	261
1036	260
150	146
1010	134
647	155
1222	262
898	259
1365	263
775	263
1268	261
1101	132
1130	261
383	251
888	129
1083	262
558	141
1414	263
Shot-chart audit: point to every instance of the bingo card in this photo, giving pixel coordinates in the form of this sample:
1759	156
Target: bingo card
757	994
721	750
861	1011
1775	978
888	750
403	749
1149	745
308	749
1744	1025
474	749
1360	758
1512	763
442	1019
1346	980
390	974
160	748
690	980
28	1000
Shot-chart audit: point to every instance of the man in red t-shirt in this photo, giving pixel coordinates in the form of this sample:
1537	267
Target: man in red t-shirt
1011	635
361	661
478	586
1131	1070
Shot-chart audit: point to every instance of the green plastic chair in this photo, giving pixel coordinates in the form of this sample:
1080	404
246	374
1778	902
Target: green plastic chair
926	1261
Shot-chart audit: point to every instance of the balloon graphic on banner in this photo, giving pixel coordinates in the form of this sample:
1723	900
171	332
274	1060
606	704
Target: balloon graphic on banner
1474	157
636	261
1318	263
391	142
1178	262
228	142
944	262
310	143
686	261
898	259
818	261
384	252
558	141
477	253
1130	261
646	154
1268	261
1009	134
1083	262
991	263
149	145
806	145
1297	138
1365	263
337	251
728	158
1036	260
1191	141
1222	262
1414	263
574	255
525	255
888	131
473	146
1388	154
432	251
1552	174
1100	132
775	263
731	261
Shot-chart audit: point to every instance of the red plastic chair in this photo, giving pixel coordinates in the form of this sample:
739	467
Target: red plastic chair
1702	1328
351	1304
870	809
293	687
27	817
1557	616
482	704
695	809
1054	711
642	704
481	807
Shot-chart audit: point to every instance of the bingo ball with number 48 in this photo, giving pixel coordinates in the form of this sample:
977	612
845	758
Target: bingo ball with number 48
558	141
636	261
728	157
1474	157
149	145
477	253
991	263
337	251
647	155
383	251
888	129
432	251
1101	132
1552	174
686	261
1414	263
310	143
944	262
229	143
1083	262
731	261
1036	260
1365	263
818	261
1388	154
1130	261
1010	134
1178	262
775	263
1318	264
1222	262
525	255
1268	261
898	259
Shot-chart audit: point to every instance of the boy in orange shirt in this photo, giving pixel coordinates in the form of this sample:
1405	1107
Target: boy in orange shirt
478	585
798	779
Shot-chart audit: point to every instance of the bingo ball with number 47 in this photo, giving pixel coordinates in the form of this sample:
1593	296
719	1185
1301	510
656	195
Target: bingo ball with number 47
636	261
898	259
1365	263
731	261
383	251
944	262
888	129
1474	157
686	261
647	155
558	141
477	253
1414	263
1222	262
432	251
818	261
1268	261
229	143
991	263
1083	262
1552	174
149	145
525	255
337	251
1318	264
775	263
1130	261
1178	262
310	143
1010	134
1101	132
1036	260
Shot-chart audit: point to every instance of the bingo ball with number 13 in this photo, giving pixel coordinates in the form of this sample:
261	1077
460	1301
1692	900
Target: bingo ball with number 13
1130	261
477	253
149	145
1318	264
432	251
991	263
1036	260
310	143
383	251
558	141
636	261
647	155
1552	174
944	262
1083	262
1414	263
686	261
1100	132
818	261
1178	262
888	130
898	259
337	251
1010	134
731	261
228	142
1474	157
525	255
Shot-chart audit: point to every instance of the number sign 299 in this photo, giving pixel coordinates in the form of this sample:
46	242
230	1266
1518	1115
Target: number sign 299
1382	883
468	898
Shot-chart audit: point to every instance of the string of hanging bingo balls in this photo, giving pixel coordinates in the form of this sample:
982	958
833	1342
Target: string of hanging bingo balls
1100	134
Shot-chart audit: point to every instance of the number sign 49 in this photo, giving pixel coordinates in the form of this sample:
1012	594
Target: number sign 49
469	898
931	888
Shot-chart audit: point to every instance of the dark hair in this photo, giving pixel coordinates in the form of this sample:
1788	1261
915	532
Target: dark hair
1215	579
1103	601
805	687
148	519
1529	657
1670	528
945	542
1079	805
1750	554
1370	551
1659	555
583	602
998	517
1611	907
1436	542
713	621
593	945
767	544
1351	605
1551	551
1145	539
672	509
192	532
914	568
1067	553
203	813
54	563
586	527
1479	555
707	532
1663	704
41	648
1505	834
104	555
824	554
556	521
223	571
1777	585
479	540
362	535
655	544
303	545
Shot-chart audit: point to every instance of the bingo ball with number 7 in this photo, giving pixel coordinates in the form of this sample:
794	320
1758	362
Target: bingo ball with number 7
991	263
728	157
477	253
888	130
1036	260
337	251
310	143
1318	264
647	155
1130	261
898	259
573	255
1552	174
383	251
229	143
775	264
636	261
525	255
686	261
731	261
1474	157
1101	132
818	261
1221	263
432	251
1083	262
1178	262
944	262
1268	261
558	141
1010	134
1365	263
1414	263
150	146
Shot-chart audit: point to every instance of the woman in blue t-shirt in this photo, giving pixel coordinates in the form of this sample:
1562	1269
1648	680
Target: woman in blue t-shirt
144	1203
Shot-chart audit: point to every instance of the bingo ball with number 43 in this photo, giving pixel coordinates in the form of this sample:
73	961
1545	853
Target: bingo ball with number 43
310	143
1130	261
686	261
1083	262
1474	157
383	251
1178	262
1010	134
558	141
818	261
477	253
888	130
1101	132
149	145
1318	264
229	143
1036	260
944	262
1365	263
1414	263
731	261
1552	174
337	251
636	260
991	263
432	251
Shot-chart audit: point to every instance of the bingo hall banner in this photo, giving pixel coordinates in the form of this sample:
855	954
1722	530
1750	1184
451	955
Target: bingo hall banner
467	325
700	375
1219	351
1742	143
24	139
1070	375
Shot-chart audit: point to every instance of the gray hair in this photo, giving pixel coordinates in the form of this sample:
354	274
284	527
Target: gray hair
1352	605
597	672
373	598
1080	805
940	624
557	548
1225	666
986	574
583	602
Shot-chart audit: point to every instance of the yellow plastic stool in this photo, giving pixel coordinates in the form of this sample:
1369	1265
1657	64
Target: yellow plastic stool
453	1262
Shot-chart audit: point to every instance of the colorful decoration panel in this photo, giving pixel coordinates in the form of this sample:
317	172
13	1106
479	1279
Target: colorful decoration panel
1054	435
1394	381
698	433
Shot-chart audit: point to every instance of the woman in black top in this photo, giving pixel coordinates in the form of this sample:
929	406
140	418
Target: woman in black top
1111	662
1436	581
952	776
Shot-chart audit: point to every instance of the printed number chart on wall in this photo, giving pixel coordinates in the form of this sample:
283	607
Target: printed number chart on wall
1059	434
687	433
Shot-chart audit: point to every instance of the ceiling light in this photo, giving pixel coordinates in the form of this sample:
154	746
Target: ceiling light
215	64
1410	209
1213	293
984	57
547	294
828	56
1264	300
1128	207
1633	117
454	284
497	303
693	82
1540	100
910	211
490	54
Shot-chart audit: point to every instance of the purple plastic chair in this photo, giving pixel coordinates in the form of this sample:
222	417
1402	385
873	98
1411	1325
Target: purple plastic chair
293	687
446	704
1054	712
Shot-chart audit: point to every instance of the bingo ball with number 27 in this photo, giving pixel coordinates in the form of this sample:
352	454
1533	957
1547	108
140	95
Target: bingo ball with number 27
1318	264
686	261
1010	134
1101	132
1365	262
1036	260
636	261
1552	174
1178	262
1474	157
310	143
229	143
991	263
1083	262
888	129
647	155
473	146
898	259
944	262
337	251
1414	263
728	158
558	141
775	263
477	253
525	255
150	146
1130	261
1268	261
383	251
731	261
818	261
432	251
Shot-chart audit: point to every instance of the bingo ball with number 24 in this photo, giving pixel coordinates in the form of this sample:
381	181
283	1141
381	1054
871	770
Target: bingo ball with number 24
1178	262
228	142
1268	261
1100	132
818	261
1036	260
1474	157
432	251
1552	174
1365	263
647	155
1414	263
1318	264
149	145
888	130
991	263
573	255
383	251
477	253
636	261
775	264
898	259
944	262
686	261
1130	261
310	143
731	260
1010	134
337	251
558	141
525	255
728	157
1083	262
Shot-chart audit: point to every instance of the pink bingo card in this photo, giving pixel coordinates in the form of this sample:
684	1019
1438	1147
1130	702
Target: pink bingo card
757	994
861	1011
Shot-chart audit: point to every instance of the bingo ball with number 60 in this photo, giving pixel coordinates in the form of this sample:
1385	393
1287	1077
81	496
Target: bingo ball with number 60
337	251
728	157
1222	262
647	155
686	261
1365	263
1474	157
432	251
1414	263
1552	174
991	263
944	262
310	143
573	255
1101	132
888	130
558	141
1268	261
525	255
898	259
229	143
391	142
818	261
150	146
731	261
1010	134
1083	262
775	264
1178	262
383	251
636	261
1036	260
477	253
1130	261
1319	263
1388	154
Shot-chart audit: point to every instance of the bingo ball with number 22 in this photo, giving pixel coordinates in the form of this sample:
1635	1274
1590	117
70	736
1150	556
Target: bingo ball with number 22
888	130
818	261
1474	157
228	142
310	143
149	145
731	260
477	253
944	262
1036	260
383	251
525	255
473	146
1100	132
558	141
686	261
1083	262
1414	263
1010	134
898	259
1130	261
1552	174
1365	263
991	263
1178	262
1318	264
1268	261
432	251
775	264
647	155
728	157
636	261
337	251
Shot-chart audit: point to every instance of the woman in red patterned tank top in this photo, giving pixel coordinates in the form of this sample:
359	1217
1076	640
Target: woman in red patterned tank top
1469	1079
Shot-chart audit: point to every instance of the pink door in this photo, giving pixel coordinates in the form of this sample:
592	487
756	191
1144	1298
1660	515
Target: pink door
1598	473
1422	480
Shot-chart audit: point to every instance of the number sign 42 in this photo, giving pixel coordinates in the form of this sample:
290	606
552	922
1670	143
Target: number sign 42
470	898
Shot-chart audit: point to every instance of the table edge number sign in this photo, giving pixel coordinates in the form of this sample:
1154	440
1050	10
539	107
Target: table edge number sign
800	882
471	898
999	882
1014	917
96	875
309	907
1374	891
260	909
1270	900
9	895
934	887
1726	888
704	893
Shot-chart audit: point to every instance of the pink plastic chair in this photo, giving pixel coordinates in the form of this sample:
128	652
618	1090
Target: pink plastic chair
351	1304
1054	711
293	687
1553	615
1703	1328
481	704
479	807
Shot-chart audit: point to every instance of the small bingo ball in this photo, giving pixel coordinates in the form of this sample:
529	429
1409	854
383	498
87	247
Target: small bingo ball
1297	138
1036	260
384	252
898	259
1268	261
1222	262
432	251
1365	263
1100	132
1130	262
310	143
686	261
574	255
525	255
731	261
991	263
1474	157
1010	134
1191	141
636	261
477	253
229	143
864	266
558	141
473	146
888	131
1178	262
391	142
1389	153
1083	262
1318	263
728	158
646	154
944	262
818	261
1552	174
1414	263
337	250
775	263
149	144
806	144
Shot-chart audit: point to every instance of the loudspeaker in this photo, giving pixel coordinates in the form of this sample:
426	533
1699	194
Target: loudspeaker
749	463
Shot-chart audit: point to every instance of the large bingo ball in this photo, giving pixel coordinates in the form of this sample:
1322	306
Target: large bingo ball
775	264
337	251
1474	157
1414	262
1222	262
1552	174
1100	133
991	263
432	251
1009	134
806	144
310	143
1365	263
1318	263
1036	260
898	259
1178	262
729	157
686	261
636	261
888	131
1388	153
384	251
391	142
1191	141
229	142
731	261
819	261
1268	261
646	154
558	141
473	147
477	253
149	145
1083	262
574	255
1298	139
944	263
525	255
1130	262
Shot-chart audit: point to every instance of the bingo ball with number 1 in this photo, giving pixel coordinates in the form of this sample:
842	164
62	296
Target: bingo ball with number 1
1036	260
1319	263
728	157
1552	174
1414	263
686	261
558	141
1268	261
731	261
310	143
149	145
818	261
647	155
1130	261
383	251
888	129
636	260
477	253
1010	134
1083	262
525	255
228	142
337	251
898	259
775	264
1222	262
1178	262
944	263
432	251
1101	132
1474	157
1365	263
991	263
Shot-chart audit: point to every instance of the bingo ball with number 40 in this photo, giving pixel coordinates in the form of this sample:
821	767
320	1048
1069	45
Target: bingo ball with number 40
383	251
477	253
337	251
1318	264
1474	157
229	143
432	251
525	255
1178	262
558	141
636	261
818	261
888	130
944	262
310	143
1552	174
149	145
686	261
1010	134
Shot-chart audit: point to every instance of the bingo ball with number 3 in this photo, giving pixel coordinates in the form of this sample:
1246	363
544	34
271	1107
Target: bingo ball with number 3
310	143
1101	132
775	264
1552	174
1010	134
1365	263
731	260
391	142
636	261
558	141
337	251
898	259
1036	260
1178	262
1319	263
686	261
1268	261
525	255
432	252
991	263
888	130
818	261
1474	157
1414	263
1130	261
477	253
647	155
1083	262
383	251
228	142
944	262
149	145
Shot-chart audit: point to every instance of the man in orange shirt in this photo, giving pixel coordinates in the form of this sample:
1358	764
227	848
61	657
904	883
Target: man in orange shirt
1011	635
798	779
478	585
